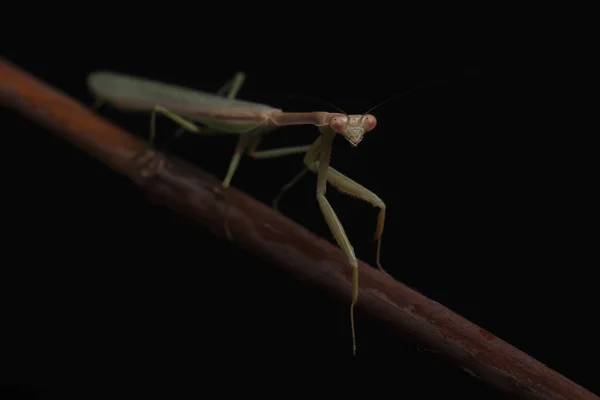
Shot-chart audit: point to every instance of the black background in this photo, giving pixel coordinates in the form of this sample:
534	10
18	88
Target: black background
490	212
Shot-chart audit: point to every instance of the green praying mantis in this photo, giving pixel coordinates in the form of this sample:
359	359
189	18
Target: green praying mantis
223	113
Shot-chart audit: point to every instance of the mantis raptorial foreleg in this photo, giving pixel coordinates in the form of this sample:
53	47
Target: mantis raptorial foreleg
348	186
322	149
317	160
345	185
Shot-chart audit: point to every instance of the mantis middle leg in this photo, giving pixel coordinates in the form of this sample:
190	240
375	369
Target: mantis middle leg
283	151
272	153
248	143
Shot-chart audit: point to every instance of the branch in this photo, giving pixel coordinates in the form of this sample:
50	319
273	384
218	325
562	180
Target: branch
261	230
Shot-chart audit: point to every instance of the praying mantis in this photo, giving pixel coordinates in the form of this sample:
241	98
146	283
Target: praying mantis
223	113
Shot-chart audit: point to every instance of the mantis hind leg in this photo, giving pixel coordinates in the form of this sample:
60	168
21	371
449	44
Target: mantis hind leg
185	124
243	142
231	88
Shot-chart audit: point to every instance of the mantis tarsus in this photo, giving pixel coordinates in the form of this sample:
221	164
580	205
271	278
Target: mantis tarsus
225	114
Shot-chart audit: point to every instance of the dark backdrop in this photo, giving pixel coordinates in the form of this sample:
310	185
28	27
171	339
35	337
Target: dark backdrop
489	213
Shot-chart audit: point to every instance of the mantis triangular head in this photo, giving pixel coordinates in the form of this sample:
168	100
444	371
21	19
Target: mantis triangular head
353	127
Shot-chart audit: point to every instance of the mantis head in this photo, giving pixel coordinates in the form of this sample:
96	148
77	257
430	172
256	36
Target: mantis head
353	127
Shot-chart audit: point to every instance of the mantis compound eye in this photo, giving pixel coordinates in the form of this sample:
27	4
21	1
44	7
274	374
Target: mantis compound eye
369	122
337	124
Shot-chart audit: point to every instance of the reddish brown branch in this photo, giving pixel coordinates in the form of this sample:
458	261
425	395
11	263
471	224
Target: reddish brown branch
288	245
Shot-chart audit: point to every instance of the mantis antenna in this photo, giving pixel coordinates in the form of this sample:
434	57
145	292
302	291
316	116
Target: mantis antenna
401	94
300	96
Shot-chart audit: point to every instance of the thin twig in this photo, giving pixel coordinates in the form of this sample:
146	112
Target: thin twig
286	244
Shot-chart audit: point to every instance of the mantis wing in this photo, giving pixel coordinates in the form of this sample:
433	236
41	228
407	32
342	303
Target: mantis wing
138	94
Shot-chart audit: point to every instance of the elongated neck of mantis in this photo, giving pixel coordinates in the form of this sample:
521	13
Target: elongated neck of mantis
317	118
